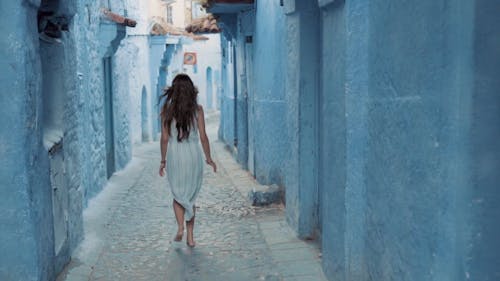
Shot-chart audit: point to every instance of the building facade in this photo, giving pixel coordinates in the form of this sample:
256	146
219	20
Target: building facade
379	120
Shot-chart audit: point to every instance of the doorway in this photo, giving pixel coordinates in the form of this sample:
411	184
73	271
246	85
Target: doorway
108	117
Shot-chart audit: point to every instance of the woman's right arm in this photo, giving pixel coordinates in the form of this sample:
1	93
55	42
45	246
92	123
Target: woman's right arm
204	138
163	149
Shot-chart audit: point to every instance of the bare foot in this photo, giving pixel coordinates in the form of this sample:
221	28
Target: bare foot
191	244
190	241
178	236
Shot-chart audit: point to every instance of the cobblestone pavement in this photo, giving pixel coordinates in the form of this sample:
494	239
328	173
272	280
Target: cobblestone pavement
130	226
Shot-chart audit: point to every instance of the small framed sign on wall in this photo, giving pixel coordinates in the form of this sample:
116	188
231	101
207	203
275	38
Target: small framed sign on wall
190	58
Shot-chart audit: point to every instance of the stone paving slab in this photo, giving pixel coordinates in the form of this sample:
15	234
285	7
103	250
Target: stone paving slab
130	225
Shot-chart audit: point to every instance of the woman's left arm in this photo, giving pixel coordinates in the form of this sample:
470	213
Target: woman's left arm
163	149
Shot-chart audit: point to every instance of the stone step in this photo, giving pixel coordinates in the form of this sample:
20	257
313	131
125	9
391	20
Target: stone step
263	195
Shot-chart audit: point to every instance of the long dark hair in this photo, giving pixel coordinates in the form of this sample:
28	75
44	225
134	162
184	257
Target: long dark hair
181	105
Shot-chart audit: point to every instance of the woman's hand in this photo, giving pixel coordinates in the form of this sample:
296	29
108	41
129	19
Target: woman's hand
162	169
212	163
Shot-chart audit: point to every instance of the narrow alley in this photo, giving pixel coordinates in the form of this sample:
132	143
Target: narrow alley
129	229
355	140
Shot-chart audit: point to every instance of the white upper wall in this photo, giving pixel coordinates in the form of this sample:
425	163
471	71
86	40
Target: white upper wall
208	55
157	8
180	12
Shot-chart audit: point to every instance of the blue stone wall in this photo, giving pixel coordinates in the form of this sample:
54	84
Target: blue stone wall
126	101
227	131
59	109
387	142
332	140
269	112
253	107
407	157
302	86
482	260
26	194
91	92
244	28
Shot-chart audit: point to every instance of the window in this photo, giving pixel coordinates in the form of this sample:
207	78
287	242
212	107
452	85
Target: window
169	14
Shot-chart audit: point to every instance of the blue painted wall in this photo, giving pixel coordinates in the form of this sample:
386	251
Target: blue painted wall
403	182
483	260
332	140
302	86
242	95
263	128
52	101
227	129
410	106
25	187
270	131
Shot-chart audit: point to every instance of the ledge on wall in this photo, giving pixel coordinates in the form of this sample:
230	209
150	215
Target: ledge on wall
118	19
112	31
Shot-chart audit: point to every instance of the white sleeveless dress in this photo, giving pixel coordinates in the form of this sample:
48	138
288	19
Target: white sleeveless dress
185	168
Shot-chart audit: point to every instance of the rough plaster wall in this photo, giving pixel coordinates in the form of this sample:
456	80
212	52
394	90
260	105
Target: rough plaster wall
292	102
412	142
332	140
302	94
24	184
123	112
245	26
136	52
72	148
227	122
132	52
83	140
226	131
483	258
70	195
230	94
90	66
270	109
411	191
241	101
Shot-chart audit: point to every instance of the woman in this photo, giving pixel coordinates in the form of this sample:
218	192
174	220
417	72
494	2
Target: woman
183	122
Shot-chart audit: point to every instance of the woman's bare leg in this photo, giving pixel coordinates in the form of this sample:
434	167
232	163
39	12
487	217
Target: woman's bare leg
190	228
179	216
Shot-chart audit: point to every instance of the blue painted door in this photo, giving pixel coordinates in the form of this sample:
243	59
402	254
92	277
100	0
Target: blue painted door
108	117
